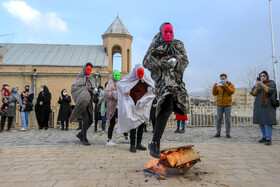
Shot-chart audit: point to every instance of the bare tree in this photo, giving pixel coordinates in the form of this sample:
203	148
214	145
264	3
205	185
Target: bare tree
249	76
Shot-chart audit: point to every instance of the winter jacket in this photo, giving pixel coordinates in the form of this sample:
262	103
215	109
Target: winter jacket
224	94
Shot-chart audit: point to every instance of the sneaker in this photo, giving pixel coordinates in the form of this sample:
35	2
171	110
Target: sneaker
228	136
217	135
102	133
126	140
177	131
85	142
263	140
132	149
268	142
182	131
23	129
141	147
110	143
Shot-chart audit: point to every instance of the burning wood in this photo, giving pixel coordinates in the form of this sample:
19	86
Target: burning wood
174	161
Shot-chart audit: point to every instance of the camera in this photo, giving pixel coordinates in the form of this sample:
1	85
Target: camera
258	79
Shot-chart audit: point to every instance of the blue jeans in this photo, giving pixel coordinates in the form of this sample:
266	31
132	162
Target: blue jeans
220	111
24	116
266	131
183	124
80	125
103	122
67	124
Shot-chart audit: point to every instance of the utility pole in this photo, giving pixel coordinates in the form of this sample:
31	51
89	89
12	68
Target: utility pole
273	50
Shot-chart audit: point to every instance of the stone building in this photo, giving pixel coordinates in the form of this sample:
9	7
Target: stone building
242	97
57	65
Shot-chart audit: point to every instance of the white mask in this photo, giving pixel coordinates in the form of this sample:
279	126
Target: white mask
64	93
263	79
42	89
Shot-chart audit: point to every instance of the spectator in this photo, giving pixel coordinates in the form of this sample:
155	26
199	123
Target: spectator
43	107
97	108
13	99
65	109
5	97
264	107
180	119
103	109
224	92
27	97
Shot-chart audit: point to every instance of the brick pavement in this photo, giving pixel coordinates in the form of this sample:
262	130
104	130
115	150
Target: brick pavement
56	158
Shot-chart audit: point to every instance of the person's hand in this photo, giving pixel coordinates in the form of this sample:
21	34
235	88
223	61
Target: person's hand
41	103
215	84
154	91
66	96
259	83
154	105
224	83
165	58
127	94
61	97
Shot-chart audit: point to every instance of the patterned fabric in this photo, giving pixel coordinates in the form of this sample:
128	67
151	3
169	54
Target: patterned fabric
80	94
111	97
168	76
264	96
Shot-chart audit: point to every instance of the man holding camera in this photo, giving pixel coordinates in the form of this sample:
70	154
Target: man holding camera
223	91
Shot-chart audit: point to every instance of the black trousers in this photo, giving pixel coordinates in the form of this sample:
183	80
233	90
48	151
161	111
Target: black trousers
166	110
153	123
87	122
112	125
10	121
139	135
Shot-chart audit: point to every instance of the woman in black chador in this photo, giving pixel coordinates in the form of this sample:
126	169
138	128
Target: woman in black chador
65	109
167	60
43	107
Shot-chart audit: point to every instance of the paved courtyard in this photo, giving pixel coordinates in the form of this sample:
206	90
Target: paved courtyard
56	158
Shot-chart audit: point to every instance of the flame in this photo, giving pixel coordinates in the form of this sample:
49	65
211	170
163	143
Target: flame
156	166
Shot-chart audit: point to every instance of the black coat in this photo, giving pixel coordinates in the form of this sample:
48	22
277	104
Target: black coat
41	110
153	110
97	115
65	108
29	104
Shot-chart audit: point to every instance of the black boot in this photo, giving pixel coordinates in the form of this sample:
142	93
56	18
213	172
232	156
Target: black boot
133	149
79	135
141	147
154	149
85	142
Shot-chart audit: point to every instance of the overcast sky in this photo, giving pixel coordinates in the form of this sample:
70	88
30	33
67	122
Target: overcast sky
220	36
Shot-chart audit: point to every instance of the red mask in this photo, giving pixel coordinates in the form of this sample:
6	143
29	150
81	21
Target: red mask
140	73
167	32
88	70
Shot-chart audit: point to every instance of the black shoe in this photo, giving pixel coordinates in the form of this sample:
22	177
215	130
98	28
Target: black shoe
228	136
79	129
141	147
145	130
79	135
62	128
1	130
217	135
95	130
182	131
262	140
152	131
46	128
132	149
85	142
40	128
154	149
66	128
177	131
268	142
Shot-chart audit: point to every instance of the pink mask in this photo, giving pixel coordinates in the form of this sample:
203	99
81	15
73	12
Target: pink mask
88	70
167	32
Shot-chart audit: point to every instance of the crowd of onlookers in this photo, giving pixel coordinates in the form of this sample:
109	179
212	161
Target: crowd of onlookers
264	113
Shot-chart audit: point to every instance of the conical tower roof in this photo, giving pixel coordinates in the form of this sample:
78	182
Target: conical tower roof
117	27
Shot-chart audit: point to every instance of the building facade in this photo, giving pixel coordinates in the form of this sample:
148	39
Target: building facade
57	65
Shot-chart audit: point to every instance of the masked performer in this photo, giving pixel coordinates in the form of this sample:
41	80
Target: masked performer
111	97
135	94
82	93
166	59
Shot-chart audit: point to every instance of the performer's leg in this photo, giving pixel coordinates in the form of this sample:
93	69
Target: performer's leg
166	110
139	137
132	140
86	123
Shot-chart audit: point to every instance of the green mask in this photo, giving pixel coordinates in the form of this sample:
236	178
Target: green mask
117	75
